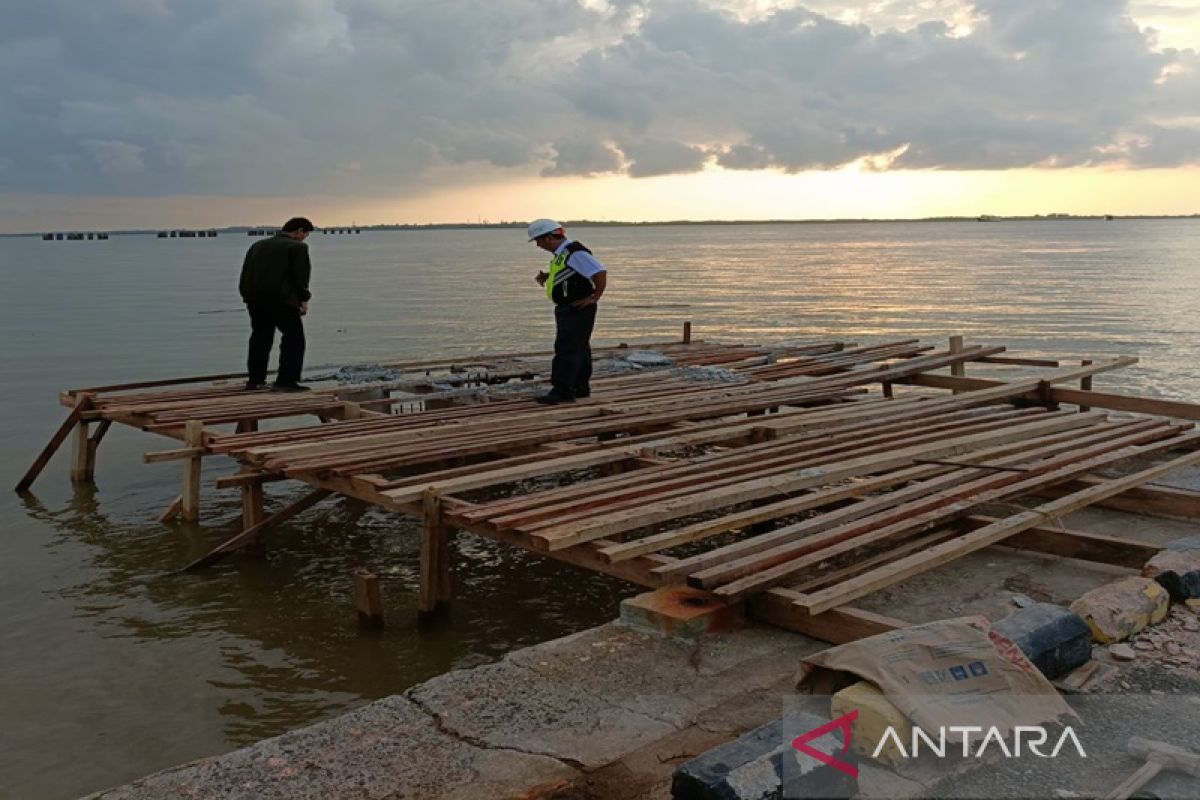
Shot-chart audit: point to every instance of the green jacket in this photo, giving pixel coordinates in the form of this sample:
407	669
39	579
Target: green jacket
276	270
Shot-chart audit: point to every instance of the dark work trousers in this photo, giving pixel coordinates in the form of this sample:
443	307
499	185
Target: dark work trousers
264	319
571	372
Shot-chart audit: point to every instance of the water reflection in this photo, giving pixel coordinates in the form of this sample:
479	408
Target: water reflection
280	631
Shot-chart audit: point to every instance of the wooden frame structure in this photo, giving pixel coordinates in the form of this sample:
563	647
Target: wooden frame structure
787	485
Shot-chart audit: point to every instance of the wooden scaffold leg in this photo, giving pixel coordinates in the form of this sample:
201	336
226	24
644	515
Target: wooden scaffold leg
435	591
368	599
193	436
958	370
249	535
82	404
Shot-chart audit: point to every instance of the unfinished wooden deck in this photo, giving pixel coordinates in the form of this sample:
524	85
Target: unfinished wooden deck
799	484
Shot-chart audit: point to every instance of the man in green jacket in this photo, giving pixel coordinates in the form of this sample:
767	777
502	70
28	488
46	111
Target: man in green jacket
274	287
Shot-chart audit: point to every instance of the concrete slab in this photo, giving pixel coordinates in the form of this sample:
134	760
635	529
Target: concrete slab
388	749
592	697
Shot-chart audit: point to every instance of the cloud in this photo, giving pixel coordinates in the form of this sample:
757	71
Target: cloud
582	155
277	97
652	157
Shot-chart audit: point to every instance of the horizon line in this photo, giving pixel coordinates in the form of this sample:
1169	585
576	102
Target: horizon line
585	222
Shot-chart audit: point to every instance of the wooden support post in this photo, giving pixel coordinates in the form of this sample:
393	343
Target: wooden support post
247	425
252	505
687	332
958	370
82	404
887	390
83	464
368	599
193	436
1085	383
435	556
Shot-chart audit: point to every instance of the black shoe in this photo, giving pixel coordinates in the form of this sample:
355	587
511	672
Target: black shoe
554	398
288	387
583	394
254	387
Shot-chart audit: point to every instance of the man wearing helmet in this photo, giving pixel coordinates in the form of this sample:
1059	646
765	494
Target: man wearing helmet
574	284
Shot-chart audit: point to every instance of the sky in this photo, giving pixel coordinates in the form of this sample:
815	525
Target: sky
205	113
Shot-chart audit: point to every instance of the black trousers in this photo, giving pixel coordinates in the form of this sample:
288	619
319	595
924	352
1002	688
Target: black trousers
265	318
571	371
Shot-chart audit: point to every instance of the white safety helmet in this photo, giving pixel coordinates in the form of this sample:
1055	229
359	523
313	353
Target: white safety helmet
540	227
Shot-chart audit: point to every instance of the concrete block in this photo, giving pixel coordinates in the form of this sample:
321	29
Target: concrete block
763	765
1177	568
1118	610
680	612
875	715
1054	638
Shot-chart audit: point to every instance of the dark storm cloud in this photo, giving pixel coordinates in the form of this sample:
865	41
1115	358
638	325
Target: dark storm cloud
151	97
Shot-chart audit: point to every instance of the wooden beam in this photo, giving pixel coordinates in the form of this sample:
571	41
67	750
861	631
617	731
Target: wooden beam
250	534
82	403
1085	546
1158	501
990	534
838	626
1077	397
180	454
172	511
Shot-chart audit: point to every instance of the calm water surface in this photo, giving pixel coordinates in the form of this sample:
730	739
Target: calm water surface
111	668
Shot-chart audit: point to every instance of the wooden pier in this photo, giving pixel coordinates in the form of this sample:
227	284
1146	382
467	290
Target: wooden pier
795	480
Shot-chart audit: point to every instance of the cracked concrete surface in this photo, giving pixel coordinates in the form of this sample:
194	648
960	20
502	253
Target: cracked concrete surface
572	717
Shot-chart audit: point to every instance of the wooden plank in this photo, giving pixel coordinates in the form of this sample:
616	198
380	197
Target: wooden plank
250	534
990	534
782	508
772	567
1041	446
82	403
1020	362
538	515
795	481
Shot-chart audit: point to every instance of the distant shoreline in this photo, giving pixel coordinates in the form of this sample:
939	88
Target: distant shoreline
587	223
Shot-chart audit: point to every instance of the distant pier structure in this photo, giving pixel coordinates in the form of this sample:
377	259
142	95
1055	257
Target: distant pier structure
188	234
352	229
74	236
261	232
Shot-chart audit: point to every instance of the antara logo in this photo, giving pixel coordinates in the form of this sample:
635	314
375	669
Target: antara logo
1033	738
1026	738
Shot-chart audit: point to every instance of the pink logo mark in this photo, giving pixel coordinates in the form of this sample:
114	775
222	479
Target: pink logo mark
842	723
